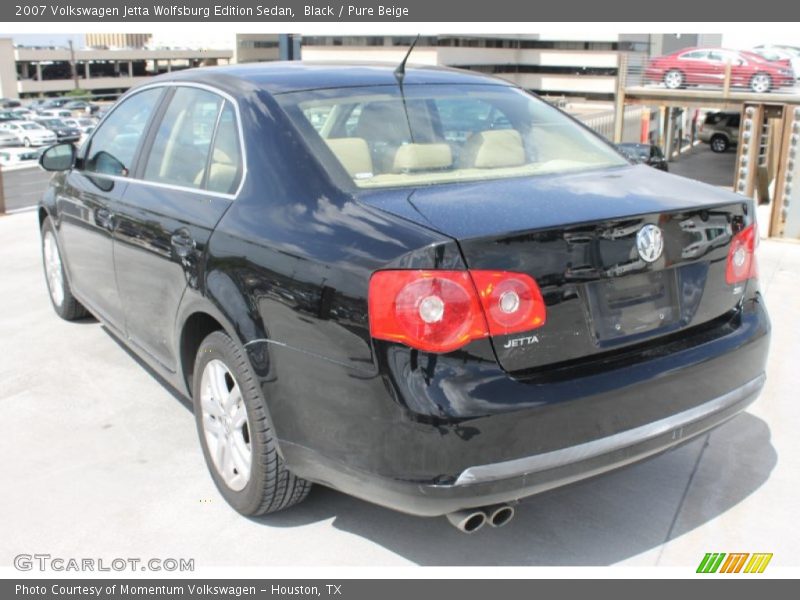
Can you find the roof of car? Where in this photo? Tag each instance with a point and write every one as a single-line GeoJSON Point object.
{"type": "Point", "coordinates": [282, 77]}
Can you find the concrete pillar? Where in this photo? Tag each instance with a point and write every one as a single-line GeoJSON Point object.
{"type": "Point", "coordinates": [169, 65]}
{"type": "Point", "coordinates": [26, 70]}
{"type": "Point", "coordinates": [86, 70]}
{"type": "Point", "coordinates": [155, 66]}
{"type": "Point", "coordinates": [38, 71]}
{"type": "Point", "coordinates": [130, 68]}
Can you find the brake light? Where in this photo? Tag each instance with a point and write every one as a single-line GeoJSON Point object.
{"type": "Point", "coordinates": [441, 311]}
{"type": "Point", "coordinates": [512, 301]}
{"type": "Point", "coordinates": [741, 264]}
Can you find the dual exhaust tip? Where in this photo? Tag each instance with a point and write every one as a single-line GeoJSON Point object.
{"type": "Point", "coordinates": [470, 521]}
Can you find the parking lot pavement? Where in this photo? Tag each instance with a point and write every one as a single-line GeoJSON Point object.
{"type": "Point", "coordinates": [102, 460]}
{"type": "Point", "coordinates": [715, 168]}
{"type": "Point", "coordinates": [23, 187]}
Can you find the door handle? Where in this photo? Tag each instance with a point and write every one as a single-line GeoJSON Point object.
{"type": "Point", "coordinates": [182, 242]}
{"type": "Point", "coordinates": [104, 218]}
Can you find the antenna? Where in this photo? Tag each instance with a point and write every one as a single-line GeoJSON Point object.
{"type": "Point", "coordinates": [400, 71]}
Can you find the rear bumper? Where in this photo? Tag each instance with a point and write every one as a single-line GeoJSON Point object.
{"type": "Point", "coordinates": [509, 481]}
{"type": "Point", "coordinates": [536, 433]}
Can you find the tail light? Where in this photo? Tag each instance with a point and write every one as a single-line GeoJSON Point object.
{"type": "Point", "coordinates": [441, 311]}
{"type": "Point", "coordinates": [741, 264]}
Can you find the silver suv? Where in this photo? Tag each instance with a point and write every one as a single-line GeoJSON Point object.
{"type": "Point", "coordinates": [721, 130]}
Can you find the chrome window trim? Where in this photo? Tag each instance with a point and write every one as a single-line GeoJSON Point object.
{"type": "Point", "coordinates": [175, 84]}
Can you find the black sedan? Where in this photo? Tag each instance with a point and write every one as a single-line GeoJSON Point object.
{"type": "Point", "coordinates": [646, 154]}
{"type": "Point", "coordinates": [64, 132]}
{"type": "Point", "coordinates": [354, 293]}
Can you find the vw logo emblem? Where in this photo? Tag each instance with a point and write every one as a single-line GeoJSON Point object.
{"type": "Point", "coordinates": [650, 243]}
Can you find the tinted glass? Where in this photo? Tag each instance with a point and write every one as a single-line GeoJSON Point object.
{"type": "Point", "coordinates": [181, 147]}
{"type": "Point", "coordinates": [112, 148]}
{"type": "Point", "coordinates": [429, 134]}
{"type": "Point", "coordinates": [225, 166]}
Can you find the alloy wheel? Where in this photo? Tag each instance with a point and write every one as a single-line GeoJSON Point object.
{"type": "Point", "coordinates": [52, 268]}
{"type": "Point", "coordinates": [225, 425]}
{"type": "Point", "coordinates": [673, 79]}
{"type": "Point", "coordinates": [761, 83]}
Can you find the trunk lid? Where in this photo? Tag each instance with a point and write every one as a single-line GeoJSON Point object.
{"type": "Point", "coordinates": [576, 234]}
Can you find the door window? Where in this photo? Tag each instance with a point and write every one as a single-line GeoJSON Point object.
{"type": "Point", "coordinates": [182, 145]}
{"type": "Point", "coordinates": [113, 146]}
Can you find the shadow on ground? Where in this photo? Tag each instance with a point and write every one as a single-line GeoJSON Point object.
{"type": "Point", "coordinates": [599, 521]}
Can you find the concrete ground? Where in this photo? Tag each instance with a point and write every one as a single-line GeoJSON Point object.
{"type": "Point", "coordinates": [704, 165]}
{"type": "Point", "coordinates": [102, 460]}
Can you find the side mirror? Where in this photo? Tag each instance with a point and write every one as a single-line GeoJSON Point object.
{"type": "Point", "coordinates": [60, 157]}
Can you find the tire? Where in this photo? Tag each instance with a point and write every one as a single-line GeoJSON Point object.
{"type": "Point", "coordinates": [761, 83]}
{"type": "Point", "coordinates": [719, 143]}
{"type": "Point", "coordinates": [26, 142]}
{"type": "Point", "coordinates": [220, 370]}
{"type": "Point", "coordinates": [674, 79]}
{"type": "Point", "coordinates": [64, 303]}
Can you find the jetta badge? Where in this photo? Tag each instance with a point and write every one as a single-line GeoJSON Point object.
{"type": "Point", "coordinates": [650, 243]}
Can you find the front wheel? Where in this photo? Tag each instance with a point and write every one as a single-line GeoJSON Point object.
{"type": "Point", "coordinates": [673, 79]}
{"type": "Point", "coordinates": [761, 83]}
{"type": "Point", "coordinates": [64, 303]}
{"type": "Point", "coordinates": [235, 432]}
{"type": "Point", "coordinates": [26, 142]}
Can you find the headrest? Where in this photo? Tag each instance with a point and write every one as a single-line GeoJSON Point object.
{"type": "Point", "coordinates": [493, 149]}
{"type": "Point", "coordinates": [353, 153]}
{"type": "Point", "coordinates": [420, 157]}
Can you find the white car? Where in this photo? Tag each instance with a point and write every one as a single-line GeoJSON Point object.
{"type": "Point", "coordinates": [29, 133]}
{"type": "Point", "coordinates": [54, 113]}
{"type": "Point", "coordinates": [781, 53]}
{"type": "Point", "coordinates": [10, 157]}
{"type": "Point", "coordinates": [7, 138]}
{"type": "Point", "coordinates": [84, 124]}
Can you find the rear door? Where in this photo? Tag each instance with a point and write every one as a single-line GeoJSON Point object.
{"type": "Point", "coordinates": [187, 178]}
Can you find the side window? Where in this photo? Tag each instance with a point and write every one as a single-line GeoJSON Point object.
{"type": "Point", "coordinates": [182, 144]}
{"type": "Point", "coordinates": [225, 164]}
{"type": "Point", "coordinates": [112, 148]}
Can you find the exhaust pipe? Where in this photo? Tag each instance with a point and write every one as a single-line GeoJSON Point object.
{"type": "Point", "coordinates": [499, 514]}
{"type": "Point", "coordinates": [468, 521]}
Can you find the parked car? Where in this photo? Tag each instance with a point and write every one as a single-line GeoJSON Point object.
{"type": "Point", "coordinates": [29, 133]}
{"type": "Point", "coordinates": [7, 115]}
{"type": "Point", "coordinates": [720, 130]}
{"type": "Point", "coordinates": [781, 54]}
{"type": "Point", "coordinates": [9, 103]}
{"type": "Point", "coordinates": [82, 106]}
{"type": "Point", "coordinates": [12, 157]}
{"type": "Point", "coordinates": [64, 132]}
{"type": "Point", "coordinates": [7, 138]}
{"type": "Point", "coordinates": [83, 124]}
{"type": "Point", "coordinates": [648, 154]}
{"type": "Point", "coordinates": [52, 103]}
{"type": "Point", "coordinates": [54, 113]}
{"type": "Point", "coordinates": [23, 114]}
{"type": "Point", "coordinates": [441, 327]}
{"type": "Point", "coordinates": [707, 66]}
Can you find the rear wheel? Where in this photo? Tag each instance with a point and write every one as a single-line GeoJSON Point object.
{"type": "Point", "coordinates": [761, 83]}
{"type": "Point", "coordinates": [673, 79]}
{"type": "Point", "coordinates": [719, 143]}
{"type": "Point", "coordinates": [235, 432]}
{"type": "Point", "coordinates": [26, 142]}
{"type": "Point", "coordinates": [64, 303]}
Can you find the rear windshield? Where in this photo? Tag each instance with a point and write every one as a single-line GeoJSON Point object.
{"type": "Point", "coordinates": [429, 134]}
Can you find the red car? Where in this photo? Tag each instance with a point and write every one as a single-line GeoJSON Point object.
{"type": "Point", "coordinates": [706, 66]}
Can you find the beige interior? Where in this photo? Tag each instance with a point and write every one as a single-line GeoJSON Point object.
{"type": "Point", "coordinates": [493, 149]}
{"type": "Point", "coordinates": [353, 153]}
{"type": "Point", "coordinates": [421, 157]}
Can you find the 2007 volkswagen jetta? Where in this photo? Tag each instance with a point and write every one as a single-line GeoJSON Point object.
{"type": "Point", "coordinates": [427, 289]}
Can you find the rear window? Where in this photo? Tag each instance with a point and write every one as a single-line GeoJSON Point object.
{"type": "Point", "coordinates": [429, 134]}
